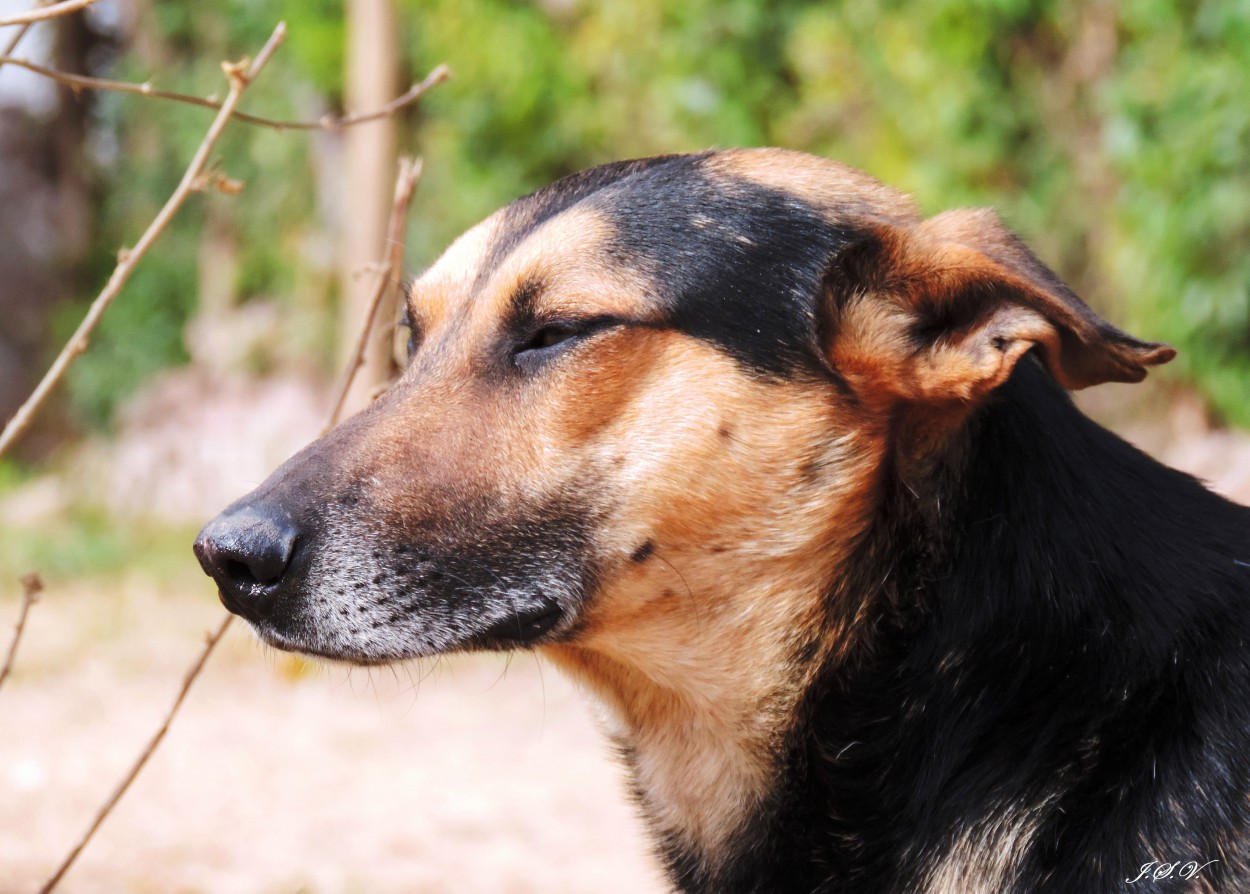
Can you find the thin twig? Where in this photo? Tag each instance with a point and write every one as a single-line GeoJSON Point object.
{"type": "Point", "coordinates": [32, 586]}
{"type": "Point", "coordinates": [211, 641]}
{"type": "Point", "coordinates": [405, 185]}
{"type": "Point", "coordinates": [240, 75]}
{"type": "Point", "coordinates": [326, 122]}
{"type": "Point", "coordinates": [17, 38]}
{"type": "Point", "coordinates": [21, 33]}
{"type": "Point", "coordinates": [42, 13]}
{"type": "Point", "coordinates": [389, 273]}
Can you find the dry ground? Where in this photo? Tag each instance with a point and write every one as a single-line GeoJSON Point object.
{"type": "Point", "coordinates": [475, 775]}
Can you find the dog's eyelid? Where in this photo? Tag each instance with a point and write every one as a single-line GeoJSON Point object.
{"type": "Point", "coordinates": [549, 334]}
{"type": "Point", "coordinates": [572, 325]}
{"type": "Point", "coordinates": [408, 322]}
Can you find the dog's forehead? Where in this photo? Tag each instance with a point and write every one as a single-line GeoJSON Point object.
{"type": "Point", "coordinates": [728, 246]}
{"type": "Point", "coordinates": [468, 266]}
{"type": "Point", "coordinates": [562, 264]}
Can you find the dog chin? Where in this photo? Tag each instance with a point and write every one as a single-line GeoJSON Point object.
{"type": "Point", "coordinates": [344, 653]}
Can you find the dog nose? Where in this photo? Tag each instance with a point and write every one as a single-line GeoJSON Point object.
{"type": "Point", "coordinates": [246, 552]}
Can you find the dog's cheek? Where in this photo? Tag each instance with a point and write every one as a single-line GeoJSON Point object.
{"type": "Point", "coordinates": [705, 450]}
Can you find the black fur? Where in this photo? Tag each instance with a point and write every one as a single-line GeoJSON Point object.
{"type": "Point", "coordinates": [732, 262]}
{"type": "Point", "coordinates": [1062, 630]}
{"type": "Point", "coordinates": [529, 212]}
{"type": "Point", "coordinates": [729, 261]}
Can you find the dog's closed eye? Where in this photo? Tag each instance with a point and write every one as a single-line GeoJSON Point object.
{"type": "Point", "coordinates": [551, 338]}
{"type": "Point", "coordinates": [552, 335]}
{"type": "Point", "coordinates": [408, 327]}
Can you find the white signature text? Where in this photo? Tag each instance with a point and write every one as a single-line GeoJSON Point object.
{"type": "Point", "coordinates": [1156, 870]}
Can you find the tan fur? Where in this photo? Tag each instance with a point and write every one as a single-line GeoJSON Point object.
{"type": "Point", "coordinates": [441, 287]}
{"type": "Point", "coordinates": [837, 190]}
{"type": "Point", "coordinates": [694, 648]}
{"type": "Point", "coordinates": [478, 436]}
{"type": "Point", "coordinates": [985, 859]}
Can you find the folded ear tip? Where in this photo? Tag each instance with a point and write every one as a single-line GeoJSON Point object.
{"type": "Point", "coordinates": [1140, 354]}
{"type": "Point", "coordinates": [1127, 362]}
{"type": "Point", "coordinates": [1147, 354]}
{"type": "Point", "coordinates": [1159, 353]}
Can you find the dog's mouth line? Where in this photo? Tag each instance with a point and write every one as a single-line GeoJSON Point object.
{"type": "Point", "coordinates": [523, 626]}
{"type": "Point", "coordinates": [519, 629]}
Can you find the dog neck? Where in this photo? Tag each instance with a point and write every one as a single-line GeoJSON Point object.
{"type": "Point", "coordinates": [701, 677]}
{"type": "Point", "coordinates": [700, 713]}
{"type": "Point", "coordinates": [782, 736]}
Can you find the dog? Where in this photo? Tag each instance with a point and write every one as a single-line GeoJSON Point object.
{"type": "Point", "coordinates": [787, 476]}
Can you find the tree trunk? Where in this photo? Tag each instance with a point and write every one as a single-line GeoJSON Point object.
{"type": "Point", "coordinates": [369, 159]}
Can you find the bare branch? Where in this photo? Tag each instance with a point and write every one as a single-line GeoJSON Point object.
{"type": "Point", "coordinates": [44, 12]}
{"type": "Point", "coordinates": [32, 586]}
{"type": "Point", "coordinates": [17, 38]}
{"type": "Point", "coordinates": [240, 75]}
{"type": "Point", "coordinates": [209, 644]}
{"type": "Point", "coordinates": [440, 74]}
{"type": "Point", "coordinates": [21, 32]}
{"type": "Point", "coordinates": [328, 122]}
{"type": "Point", "coordinates": [390, 272]}
{"type": "Point", "coordinates": [405, 185]}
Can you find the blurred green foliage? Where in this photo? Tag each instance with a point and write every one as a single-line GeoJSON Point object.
{"type": "Point", "coordinates": [82, 541]}
{"type": "Point", "coordinates": [77, 539]}
{"type": "Point", "coordinates": [1115, 137]}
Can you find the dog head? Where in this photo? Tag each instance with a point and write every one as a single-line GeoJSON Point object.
{"type": "Point", "coordinates": [635, 391]}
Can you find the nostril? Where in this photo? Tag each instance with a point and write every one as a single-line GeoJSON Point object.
{"type": "Point", "coordinates": [247, 552]}
{"type": "Point", "coordinates": [240, 572]}
{"type": "Point", "coordinates": [262, 560]}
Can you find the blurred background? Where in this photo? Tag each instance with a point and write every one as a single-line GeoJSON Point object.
{"type": "Point", "coordinates": [1113, 136]}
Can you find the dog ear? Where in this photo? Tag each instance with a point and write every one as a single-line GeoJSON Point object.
{"type": "Point", "coordinates": [944, 310]}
